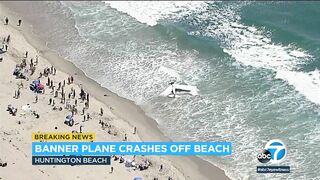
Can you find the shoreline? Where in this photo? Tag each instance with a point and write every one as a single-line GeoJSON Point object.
{"type": "Point", "coordinates": [147, 128]}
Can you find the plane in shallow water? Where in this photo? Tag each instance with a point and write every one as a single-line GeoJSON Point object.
{"type": "Point", "coordinates": [176, 90]}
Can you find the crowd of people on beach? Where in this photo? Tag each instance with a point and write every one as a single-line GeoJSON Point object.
{"type": "Point", "coordinates": [62, 99]}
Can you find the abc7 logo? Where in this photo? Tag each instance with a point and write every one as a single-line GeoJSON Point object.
{"type": "Point", "coordinates": [274, 151]}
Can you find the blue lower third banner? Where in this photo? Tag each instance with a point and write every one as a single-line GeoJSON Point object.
{"type": "Point", "coordinates": [71, 160]}
{"type": "Point", "coordinates": [131, 148]}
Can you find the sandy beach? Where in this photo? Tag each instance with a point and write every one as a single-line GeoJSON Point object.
{"type": "Point", "coordinates": [119, 115]}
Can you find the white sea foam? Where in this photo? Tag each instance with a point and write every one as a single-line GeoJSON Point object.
{"type": "Point", "coordinates": [150, 12]}
{"type": "Point", "coordinates": [307, 83]}
{"type": "Point", "coordinates": [171, 72]}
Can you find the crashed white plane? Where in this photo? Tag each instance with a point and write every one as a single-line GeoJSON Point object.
{"type": "Point", "coordinates": [175, 90]}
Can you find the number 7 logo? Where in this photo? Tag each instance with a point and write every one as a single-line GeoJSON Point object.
{"type": "Point", "coordinates": [277, 149]}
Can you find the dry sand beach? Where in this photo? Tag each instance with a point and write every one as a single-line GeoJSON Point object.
{"type": "Point", "coordinates": [120, 116]}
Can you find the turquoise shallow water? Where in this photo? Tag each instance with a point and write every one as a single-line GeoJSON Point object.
{"type": "Point", "coordinates": [256, 65]}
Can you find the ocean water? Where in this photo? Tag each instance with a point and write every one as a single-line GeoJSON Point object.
{"type": "Point", "coordinates": [256, 65]}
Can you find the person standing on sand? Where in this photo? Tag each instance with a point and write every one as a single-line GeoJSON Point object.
{"type": "Point", "coordinates": [8, 39]}
{"type": "Point", "coordinates": [101, 112]}
{"type": "Point", "coordinates": [36, 99]}
{"type": "Point", "coordinates": [26, 54]}
{"type": "Point", "coordinates": [6, 47]}
{"type": "Point", "coordinates": [102, 124]}
{"type": "Point", "coordinates": [59, 85]}
{"type": "Point", "coordinates": [81, 126]}
{"type": "Point", "coordinates": [52, 89]}
{"type": "Point", "coordinates": [18, 93]}
{"type": "Point", "coordinates": [19, 22]}
{"type": "Point", "coordinates": [125, 137]}
{"type": "Point", "coordinates": [111, 169]}
{"type": "Point", "coordinates": [6, 21]}
{"type": "Point", "coordinates": [134, 130]}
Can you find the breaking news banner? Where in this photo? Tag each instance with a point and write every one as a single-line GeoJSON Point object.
{"type": "Point", "coordinates": [131, 148]}
{"type": "Point", "coordinates": [61, 148]}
